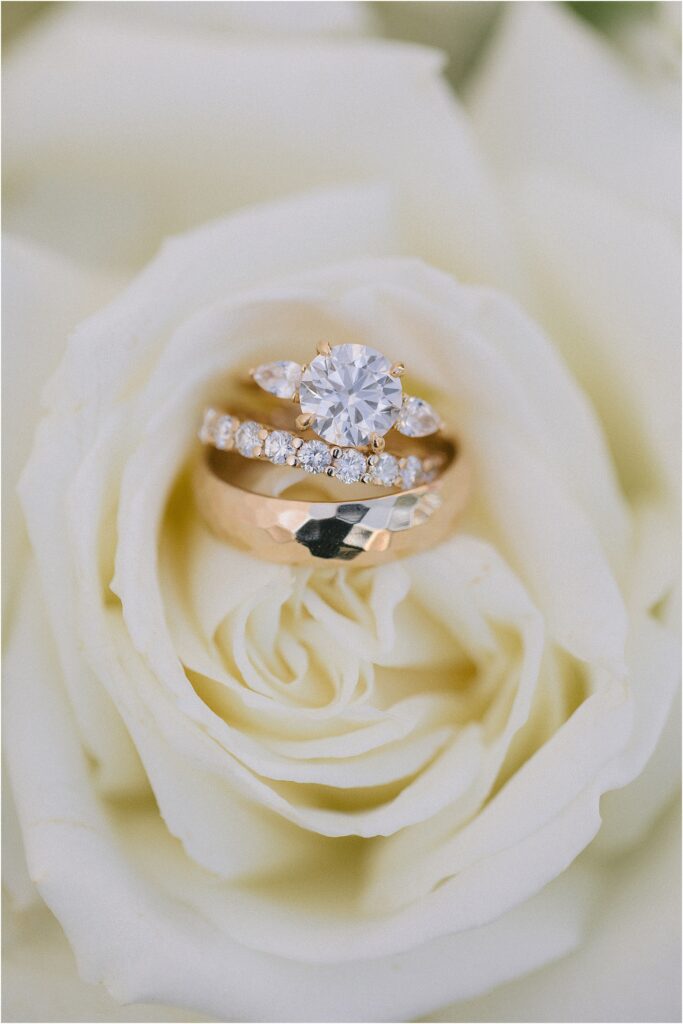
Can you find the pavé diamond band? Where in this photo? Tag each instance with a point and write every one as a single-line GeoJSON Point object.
{"type": "Point", "coordinates": [255, 440]}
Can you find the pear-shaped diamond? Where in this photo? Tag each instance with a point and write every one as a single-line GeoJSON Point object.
{"type": "Point", "coordinates": [281, 378]}
{"type": "Point", "coordinates": [417, 418]}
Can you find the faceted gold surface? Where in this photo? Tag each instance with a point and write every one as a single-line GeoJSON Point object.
{"type": "Point", "coordinates": [254, 506]}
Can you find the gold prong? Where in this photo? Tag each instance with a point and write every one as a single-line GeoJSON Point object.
{"type": "Point", "coordinates": [263, 434]}
{"type": "Point", "coordinates": [251, 372]}
{"type": "Point", "coordinates": [291, 460]}
{"type": "Point", "coordinates": [397, 370]}
{"type": "Point", "coordinates": [297, 442]}
{"type": "Point", "coordinates": [336, 452]}
{"type": "Point", "coordinates": [296, 398]}
{"type": "Point", "coordinates": [304, 421]}
{"type": "Point", "coordinates": [323, 348]}
{"type": "Point", "coordinates": [377, 443]}
{"type": "Point", "coordinates": [329, 471]}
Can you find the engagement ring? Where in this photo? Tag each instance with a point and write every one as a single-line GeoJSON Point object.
{"type": "Point", "coordinates": [350, 396]}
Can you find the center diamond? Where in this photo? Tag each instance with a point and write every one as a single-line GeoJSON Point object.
{"type": "Point", "coordinates": [351, 395]}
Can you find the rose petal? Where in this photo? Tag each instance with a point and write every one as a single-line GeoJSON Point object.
{"type": "Point", "coordinates": [393, 120]}
{"type": "Point", "coordinates": [587, 112]}
{"type": "Point", "coordinates": [64, 827]}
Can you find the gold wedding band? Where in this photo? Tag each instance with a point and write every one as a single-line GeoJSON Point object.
{"type": "Point", "coordinates": [259, 508]}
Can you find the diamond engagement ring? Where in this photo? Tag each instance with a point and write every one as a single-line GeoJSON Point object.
{"type": "Point", "coordinates": [350, 396]}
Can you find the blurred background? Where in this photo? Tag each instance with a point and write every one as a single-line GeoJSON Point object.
{"type": "Point", "coordinates": [647, 33]}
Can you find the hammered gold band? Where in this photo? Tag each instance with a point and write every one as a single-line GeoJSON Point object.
{"type": "Point", "coordinates": [244, 502]}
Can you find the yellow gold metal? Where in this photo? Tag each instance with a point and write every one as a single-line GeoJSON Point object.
{"type": "Point", "coordinates": [377, 443]}
{"type": "Point", "coordinates": [323, 348]}
{"type": "Point", "coordinates": [397, 370]}
{"type": "Point", "coordinates": [304, 421]}
{"type": "Point", "coordinates": [253, 506]}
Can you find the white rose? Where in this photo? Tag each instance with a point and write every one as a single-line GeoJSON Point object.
{"type": "Point", "coordinates": [260, 793]}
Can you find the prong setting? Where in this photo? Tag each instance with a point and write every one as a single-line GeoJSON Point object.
{"type": "Point", "coordinates": [304, 421]}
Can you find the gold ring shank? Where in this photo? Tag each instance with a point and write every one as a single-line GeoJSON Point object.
{"type": "Point", "coordinates": [265, 510]}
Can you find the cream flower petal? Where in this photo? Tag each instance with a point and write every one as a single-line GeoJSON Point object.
{"type": "Point", "coordinates": [44, 297]}
{"type": "Point", "coordinates": [594, 203]}
{"type": "Point", "coordinates": [59, 803]}
{"type": "Point", "coordinates": [394, 121]}
{"type": "Point", "coordinates": [588, 112]}
{"type": "Point", "coordinates": [608, 281]}
{"type": "Point", "coordinates": [240, 17]}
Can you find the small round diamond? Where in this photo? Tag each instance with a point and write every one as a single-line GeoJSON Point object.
{"type": "Point", "coordinates": [279, 446]}
{"type": "Point", "coordinates": [248, 441]}
{"type": "Point", "coordinates": [384, 470]}
{"type": "Point", "coordinates": [411, 471]}
{"type": "Point", "coordinates": [208, 427]}
{"type": "Point", "coordinates": [224, 432]}
{"type": "Point", "coordinates": [314, 456]}
{"type": "Point", "coordinates": [218, 429]}
{"type": "Point", "coordinates": [350, 466]}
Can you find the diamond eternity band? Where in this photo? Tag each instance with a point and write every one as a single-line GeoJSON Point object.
{"type": "Point", "coordinates": [255, 440]}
